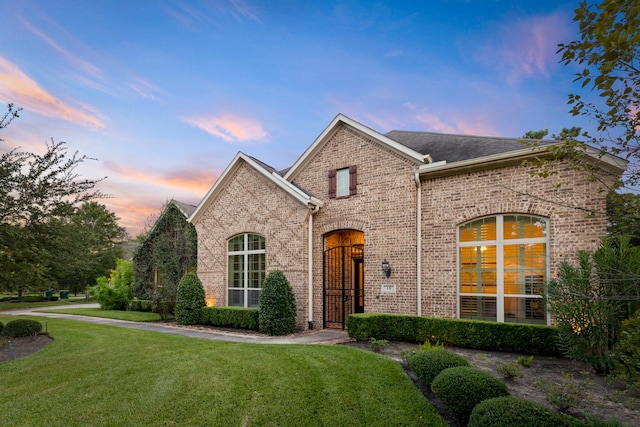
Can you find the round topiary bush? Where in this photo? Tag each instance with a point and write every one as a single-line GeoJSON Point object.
{"type": "Point", "coordinates": [277, 314]}
{"type": "Point", "coordinates": [428, 364]}
{"type": "Point", "coordinates": [463, 387]}
{"type": "Point", "coordinates": [510, 411]}
{"type": "Point", "coordinates": [21, 328]}
{"type": "Point", "coordinates": [190, 300]}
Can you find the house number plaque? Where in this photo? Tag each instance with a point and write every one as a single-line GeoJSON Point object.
{"type": "Point", "coordinates": [388, 289]}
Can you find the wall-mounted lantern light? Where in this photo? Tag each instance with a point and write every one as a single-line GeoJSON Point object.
{"type": "Point", "coordinates": [386, 269]}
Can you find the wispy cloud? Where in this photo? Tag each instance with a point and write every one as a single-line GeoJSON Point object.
{"type": "Point", "coordinates": [452, 125]}
{"type": "Point", "coordinates": [192, 180]}
{"type": "Point", "coordinates": [524, 48]}
{"type": "Point", "coordinates": [17, 87]}
{"type": "Point", "coordinates": [145, 89]}
{"type": "Point", "coordinates": [230, 128]}
{"type": "Point", "coordinates": [192, 16]}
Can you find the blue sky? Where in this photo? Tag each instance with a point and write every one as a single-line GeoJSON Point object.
{"type": "Point", "coordinates": [165, 93]}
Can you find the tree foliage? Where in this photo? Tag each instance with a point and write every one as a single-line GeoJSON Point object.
{"type": "Point", "coordinates": [607, 53]}
{"type": "Point", "coordinates": [165, 255]}
{"type": "Point", "coordinates": [44, 241]}
{"type": "Point", "coordinates": [115, 292]}
{"type": "Point", "coordinates": [590, 300]}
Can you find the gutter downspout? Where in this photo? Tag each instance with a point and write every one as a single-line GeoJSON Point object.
{"type": "Point", "coordinates": [312, 211]}
{"type": "Point", "coordinates": [419, 242]}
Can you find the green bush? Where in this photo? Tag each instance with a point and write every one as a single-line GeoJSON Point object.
{"type": "Point", "coordinates": [510, 411]}
{"type": "Point", "coordinates": [463, 387]}
{"type": "Point", "coordinates": [115, 292]}
{"type": "Point", "coordinates": [141, 305]}
{"type": "Point", "coordinates": [532, 339]}
{"type": "Point", "coordinates": [232, 317]}
{"type": "Point", "coordinates": [21, 328]}
{"type": "Point", "coordinates": [428, 364]}
{"type": "Point", "coordinates": [626, 352]}
{"type": "Point", "coordinates": [1, 327]}
{"type": "Point", "coordinates": [190, 300]}
{"type": "Point", "coordinates": [277, 313]}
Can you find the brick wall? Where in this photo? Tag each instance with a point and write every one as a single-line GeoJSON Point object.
{"type": "Point", "coordinates": [250, 203]}
{"type": "Point", "coordinates": [383, 208]}
{"type": "Point", "coordinates": [453, 200]}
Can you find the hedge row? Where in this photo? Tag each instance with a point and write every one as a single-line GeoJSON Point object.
{"type": "Point", "coordinates": [234, 317]}
{"type": "Point", "coordinates": [141, 305]}
{"type": "Point", "coordinates": [29, 298]}
{"type": "Point", "coordinates": [531, 339]}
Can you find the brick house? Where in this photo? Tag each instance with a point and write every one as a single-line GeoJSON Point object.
{"type": "Point", "coordinates": [408, 222]}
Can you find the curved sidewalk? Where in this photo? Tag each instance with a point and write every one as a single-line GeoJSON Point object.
{"type": "Point", "coordinates": [321, 336]}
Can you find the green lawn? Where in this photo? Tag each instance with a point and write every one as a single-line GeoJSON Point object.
{"type": "Point", "coordinates": [18, 305]}
{"type": "Point", "coordinates": [94, 375]}
{"type": "Point", "coordinates": [135, 316]}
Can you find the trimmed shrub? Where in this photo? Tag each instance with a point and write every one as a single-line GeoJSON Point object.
{"type": "Point", "coordinates": [277, 313]}
{"type": "Point", "coordinates": [232, 317]}
{"type": "Point", "coordinates": [532, 339]}
{"type": "Point", "coordinates": [626, 352]}
{"type": "Point", "coordinates": [190, 300]}
{"type": "Point", "coordinates": [21, 328]}
{"type": "Point", "coordinates": [463, 387]}
{"type": "Point", "coordinates": [510, 411]}
{"type": "Point", "coordinates": [428, 364]}
{"type": "Point", "coordinates": [141, 305]}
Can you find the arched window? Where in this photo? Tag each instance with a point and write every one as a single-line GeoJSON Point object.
{"type": "Point", "coordinates": [246, 269]}
{"type": "Point", "coordinates": [502, 263]}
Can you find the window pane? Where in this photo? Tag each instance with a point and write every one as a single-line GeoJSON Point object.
{"type": "Point", "coordinates": [236, 269]}
{"type": "Point", "coordinates": [236, 244]}
{"type": "Point", "coordinates": [524, 227]}
{"type": "Point", "coordinates": [478, 269]}
{"type": "Point", "coordinates": [479, 308]}
{"type": "Point", "coordinates": [524, 310]}
{"type": "Point", "coordinates": [522, 262]}
{"type": "Point", "coordinates": [256, 270]}
{"type": "Point", "coordinates": [236, 298]}
{"type": "Point", "coordinates": [342, 177]}
{"type": "Point", "coordinates": [254, 299]}
{"type": "Point", "coordinates": [256, 242]}
{"type": "Point", "coordinates": [476, 231]}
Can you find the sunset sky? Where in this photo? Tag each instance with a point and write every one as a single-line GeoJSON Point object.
{"type": "Point", "coordinates": [165, 93]}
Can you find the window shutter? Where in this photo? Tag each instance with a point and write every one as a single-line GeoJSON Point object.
{"type": "Point", "coordinates": [332, 183]}
{"type": "Point", "coordinates": [353, 180]}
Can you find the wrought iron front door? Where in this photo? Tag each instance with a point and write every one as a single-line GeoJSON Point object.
{"type": "Point", "coordinates": [343, 284]}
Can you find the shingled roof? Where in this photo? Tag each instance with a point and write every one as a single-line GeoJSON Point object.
{"type": "Point", "coordinates": [456, 148]}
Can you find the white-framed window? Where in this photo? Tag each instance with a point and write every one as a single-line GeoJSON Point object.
{"type": "Point", "coordinates": [502, 267]}
{"type": "Point", "coordinates": [246, 269]}
{"type": "Point", "coordinates": [342, 186]}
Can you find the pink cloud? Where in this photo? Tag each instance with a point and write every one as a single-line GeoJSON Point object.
{"type": "Point", "coordinates": [230, 128]}
{"type": "Point", "coordinates": [195, 181]}
{"type": "Point", "coordinates": [18, 88]}
{"type": "Point", "coordinates": [453, 125]}
{"type": "Point", "coordinates": [524, 48]}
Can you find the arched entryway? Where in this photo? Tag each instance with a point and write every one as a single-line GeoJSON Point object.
{"type": "Point", "coordinates": [343, 277]}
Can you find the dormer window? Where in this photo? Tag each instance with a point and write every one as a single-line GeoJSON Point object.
{"type": "Point", "coordinates": [343, 182]}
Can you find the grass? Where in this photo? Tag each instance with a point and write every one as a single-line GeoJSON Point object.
{"type": "Point", "coordinates": [135, 316]}
{"type": "Point", "coordinates": [98, 375]}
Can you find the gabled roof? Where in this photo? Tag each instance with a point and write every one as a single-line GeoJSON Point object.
{"type": "Point", "coordinates": [325, 136]}
{"type": "Point", "coordinates": [186, 209]}
{"type": "Point", "coordinates": [456, 148]}
{"type": "Point", "coordinates": [267, 171]}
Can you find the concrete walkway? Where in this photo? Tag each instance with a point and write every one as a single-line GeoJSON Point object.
{"type": "Point", "coordinates": [321, 336]}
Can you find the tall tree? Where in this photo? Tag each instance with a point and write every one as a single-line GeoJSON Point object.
{"type": "Point", "coordinates": [36, 192]}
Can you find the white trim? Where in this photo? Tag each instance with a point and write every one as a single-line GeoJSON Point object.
{"type": "Point", "coordinates": [499, 243]}
{"type": "Point", "coordinates": [280, 182]}
{"type": "Point", "coordinates": [328, 132]}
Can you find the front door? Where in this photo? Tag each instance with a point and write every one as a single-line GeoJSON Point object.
{"type": "Point", "coordinates": [343, 277]}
